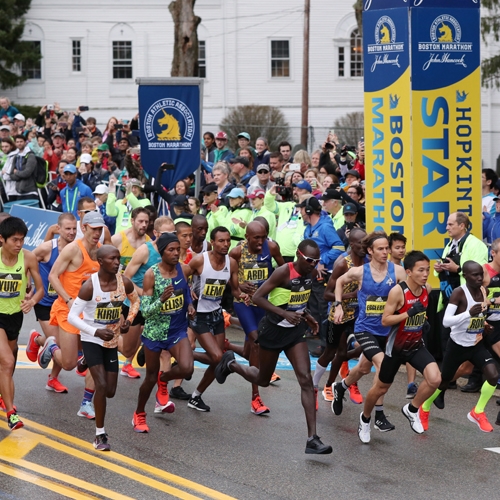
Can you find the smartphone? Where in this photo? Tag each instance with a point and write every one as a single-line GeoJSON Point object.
{"type": "Point", "coordinates": [83, 108]}
{"type": "Point", "coordinates": [135, 151]}
{"type": "Point", "coordinates": [50, 107]}
{"type": "Point", "coordinates": [332, 132]}
{"type": "Point", "coordinates": [119, 126]}
{"type": "Point", "coordinates": [294, 167]}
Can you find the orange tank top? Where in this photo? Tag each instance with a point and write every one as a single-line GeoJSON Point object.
{"type": "Point", "coordinates": [73, 281]}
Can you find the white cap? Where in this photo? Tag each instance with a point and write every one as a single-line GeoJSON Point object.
{"type": "Point", "coordinates": [101, 189]}
{"type": "Point", "coordinates": [19, 116]}
{"type": "Point", "coordinates": [85, 158]}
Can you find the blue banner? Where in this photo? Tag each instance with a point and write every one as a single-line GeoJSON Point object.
{"type": "Point", "coordinates": [170, 127]}
{"type": "Point", "coordinates": [38, 222]}
{"type": "Point", "coordinates": [391, 4]}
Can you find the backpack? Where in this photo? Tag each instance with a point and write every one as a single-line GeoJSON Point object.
{"type": "Point", "coordinates": [41, 172]}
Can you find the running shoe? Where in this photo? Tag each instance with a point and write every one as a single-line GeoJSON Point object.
{"type": "Point", "coordinates": [363, 430]}
{"type": "Point", "coordinates": [53, 384]}
{"type": "Point", "coordinates": [414, 419]}
{"type": "Point", "coordinates": [258, 407]}
{"type": "Point", "coordinates": [198, 404]}
{"type": "Point", "coordinates": [179, 393]}
{"type": "Point", "coordinates": [87, 410]}
{"type": "Point", "coordinates": [222, 370]}
{"type": "Point", "coordinates": [32, 348]}
{"type": "Point", "coordinates": [101, 443]}
{"type": "Point", "coordinates": [327, 393]}
{"type": "Point", "coordinates": [163, 403]}
{"type": "Point", "coordinates": [275, 377]}
{"type": "Point", "coordinates": [354, 394]}
{"type": "Point", "coordinates": [2, 405]}
{"type": "Point", "coordinates": [411, 391]}
{"type": "Point", "coordinates": [129, 371]}
{"type": "Point", "coordinates": [316, 398]}
{"type": "Point", "coordinates": [141, 356]}
{"type": "Point", "coordinates": [424, 418]}
{"type": "Point", "coordinates": [338, 398]}
{"type": "Point", "coordinates": [14, 422]}
{"type": "Point", "coordinates": [45, 355]}
{"type": "Point", "coordinates": [382, 424]}
{"type": "Point", "coordinates": [481, 420]}
{"type": "Point", "coordinates": [344, 369]}
{"type": "Point", "coordinates": [439, 401]}
{"type": "Point", "coordinates": [81, 365]}
{"type": "Point", "coordinates": [139, 422]}
{"type": "Point", "coordinates": [316, 447]}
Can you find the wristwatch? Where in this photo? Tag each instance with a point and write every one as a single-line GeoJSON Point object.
{"type": "Point", "coordinates": [337, 303]}
{"type": "Point", "coordinates": [492, 300]}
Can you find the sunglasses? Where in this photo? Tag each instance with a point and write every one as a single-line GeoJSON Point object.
{"type": "Point", "coordinates": [262, 171]}
{"type": "Point", "coordinates": [309, 260]}
{"type": "Point", "coordinates": [88, 211]}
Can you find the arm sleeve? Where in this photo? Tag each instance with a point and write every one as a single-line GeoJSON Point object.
{"type": "Point", "coordinates": [270, 203]}
{"type": "Point", "coordinates": [75, 320]}
{"type": "Point", "coordinates": [111, 205]}
{"type": "Point", "coordinates": [450, 319]}
{"type": "Point", "coordinates": [135, 304]}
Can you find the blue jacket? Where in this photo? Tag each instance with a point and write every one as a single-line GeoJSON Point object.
{"type": "Point", "coordinates": [70, 196]}
{"type": "Point", "coordinates": [324, 234]}
{"type": "Point", "coordinates": [491, 227]}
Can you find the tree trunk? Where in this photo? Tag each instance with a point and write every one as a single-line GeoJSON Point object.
{"type": "Point", "coordinates": [358, 10]}
{"type": "Point", "coordinates": [185, 61]}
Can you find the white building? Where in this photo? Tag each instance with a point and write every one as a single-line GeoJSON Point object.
{"type": "Point", "coordinates": [251, 53]}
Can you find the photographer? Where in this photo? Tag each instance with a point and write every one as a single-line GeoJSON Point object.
{"type": "Point", "coordinates": [350, 213]}
{"type": "Point", "coordinates": [262, 180]}
{"type": "Point", "coordinates": [54, 153]}
{"type": "Point", "coordinates": [102, 167]}
{"type": "Point", "coordinates": [348, 160]}
{"type": "Point", "coordinates": [88, 174]}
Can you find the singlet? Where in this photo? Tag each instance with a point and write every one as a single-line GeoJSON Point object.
{"type": "Point", "coordinates": [127, 251]}
{"type": "Point", "coordinates": [212, 284]}
{"type": "Point", "coordinates": [104, 310]}
{"type": "Point", "coordinates": [50, 294]}
{"type": "Point", "coordinates": [349, 306]}
{"type": "Point", "coordinates": [372, 297]}
{"type": "Point", "coordinates": [293, 297]}
{"type": "Point", "coordinates": [407, 335]}
{"type": "Point", "coordinates": [189, 256]}
{"type": "Point", "coordinates": [73, 281]}
{"type": "Point", "coordinates": [12, 285]}
{"type": "Point", "coordinates": [493, 291]}
{"type": "Point", "coordinates": [470, 330]}
{"type": "Point", "coordinates": [171, 318]}
{"type": "Point", "coordinates": [204, 247]}
{"type": "Point", "coordinates": [79, 233]}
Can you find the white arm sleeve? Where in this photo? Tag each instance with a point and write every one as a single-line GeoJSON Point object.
{"type": "Point", "coordinates": [450, 319]}
{"type": "Point", "coordinates": [74, 317]}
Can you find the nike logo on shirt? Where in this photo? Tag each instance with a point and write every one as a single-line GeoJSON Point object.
{"type": "Point", "coordinates": [177, 282]}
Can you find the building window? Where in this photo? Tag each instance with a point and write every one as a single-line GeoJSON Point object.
{"type": "Point", "coordinates": [122, 60]}
{"type": "Point", "coordinates": [341, 61]}
{"type": "Point", "coordinates": [202, 59]}
{"type": "Point", "coordinates": [76, 56]}
{"type": "Point", "coordinates": [356, 54]}
{"type": "Point", "coordinates": [33, 71]}
{"type": "Point", "coordinates": [280, 58]}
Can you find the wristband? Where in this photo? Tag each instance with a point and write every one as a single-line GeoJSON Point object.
{"type": "Point", "coordinates": [71, 298]}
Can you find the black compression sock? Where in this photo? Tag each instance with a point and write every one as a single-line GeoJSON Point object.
{"type": "Point", "coordinates": [412, 409]}
{"type": "Point", "coordinates": [365, 420]}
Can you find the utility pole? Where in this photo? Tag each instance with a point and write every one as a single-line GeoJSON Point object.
{"type": "Point", "coordinates": [305, 77]}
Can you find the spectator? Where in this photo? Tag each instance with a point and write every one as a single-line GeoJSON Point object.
{"type": "Point", "coordinates": [332, 203]}
{"type": "Point", "coordinates": [302, 157]}
{"type": "Point", "coordinates": [55, 187]}
{"type": "Point", "coordinates": [6, 108]}
{"type": "Point", "coordinates": [488, 181]}
{"type": "Point", "coordinates": [122, 209]}
{"type": "Point", "coordinates": [209, 141]}
{"type": "Point", "coordinates": [9, 151]}
{"type": "Point", "coordinates": [491, 224]}
{"type": "Point", "coordinates": [262, 180]}
{"type": "Point", "coordinates": [92, 128]}
{"type": "Point", "coordinates": [350, 212]}
{"type": "Point", "coordinates": [120, 153]}
{"type": "Point", "coordinates": [103, 161]}
{"type": "Point", "coordinates": [244, 143]}
{"type": "Point", "coordinates": [73, 191]}
{"type": "Point", "coordinates": [88, 175]}
{"type": "Point", "coordinates": [276, 162]}
{"type": "Point", "coordinates": [209, 201]}
{"type": "Point", "coordinates": [110, 129]}
{"type": "Point", "coordinates": [23, 170]}
{"type": "Point", "coordinates": [311, 176]}
{"type": "Point", "coordinates": [356, 193]}
{"type": "Point", "coordinates": [315, 157]}
{"type": "Point", "coordinates": [101, 197]}
{"type": "Point", "coordinates": [328, 181]}
{"type": "Point", "coordinates": [262, 150]}
{"type": "Point", "coordinates": [351, 176]}
{"type": "Point", "coordinates": [285, 149]}
{"type": "Point", "coordinates": [19, 123]}
{"type": "Point", "coordinates": [54, 153]}
{"type": "Point", "coordinates": [194, 205]}
{"type": "Point", "coordinates": [71, 155]}
{"type": "Point", "coordinates": [222, 152]}
{"type": "Point", "coordinates": [258, 210]}
{"type": "Point", "coordinates": [220, 174]}
{"type": "Point", "coordinates": [240, 170]}
{"type": "Point", "coordinates": [179, 209]}
{"type": "Point", "coordinates": [247, 153]}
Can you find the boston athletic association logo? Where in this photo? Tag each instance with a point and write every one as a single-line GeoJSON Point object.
{"type": "Point", "coordinates": [169, 124]}
{"type": "Point", "coordinates": [386, 48]}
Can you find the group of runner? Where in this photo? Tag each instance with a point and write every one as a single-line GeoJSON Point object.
{"type": "Point", "coordinates": [96, 297]}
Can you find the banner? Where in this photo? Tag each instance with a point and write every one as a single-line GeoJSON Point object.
{"type": "Point", "coordinates": [170, 126]}
{"type": "Point", "coordinates": [38, 222]}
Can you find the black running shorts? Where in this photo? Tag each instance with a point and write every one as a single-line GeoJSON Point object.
{"type": "Point", "coordinates": [42, 313]}
{"type": "Point", "coordinates": [272, 337]}
{"type": "Point", "coordinates": [335, 332]}
{"type": "Point", "coordinates": [96, 354]}
{"type": "Point", "coordinates": [419, 359]}
{"type": "Point", "coordinates": [371, 344]}
{"type": "Point", "coordinates": [12, 324]}
{"type": "Point", "coordinates": [138, 320]}
{"type": "Point", "coordinates": [493, 337]}
{"type": "Point", "coordinates": [211, 322]}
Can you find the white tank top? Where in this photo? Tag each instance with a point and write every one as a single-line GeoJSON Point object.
{"type": "Point", "coordinates": [204, 247]}
{"type": "Point", "coordinates": [212, 285]}
{"type": "Point", "coordinates": [79, 233]}
{"type": "Point", "coordinates": [103, 311]}
{"type": "Point", "coordinates": [470, 330]}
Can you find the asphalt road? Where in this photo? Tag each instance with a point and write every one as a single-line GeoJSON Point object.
{"type": "Point", "coordinates": [231, 453]}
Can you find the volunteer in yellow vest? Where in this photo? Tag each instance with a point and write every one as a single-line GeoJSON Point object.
{"type": "Point", "coordinates": [128, 241]}
{"type": "Point", "coordinates": [15, 263]}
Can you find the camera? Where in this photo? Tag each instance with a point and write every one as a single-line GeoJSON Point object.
{"type": "Point", "coordinates": [83, 108]}
{"type": "Point", "coordinates": [50, 107]}
{"type": "Point", "coordinates": [105, 155]}
{"type": "Point", "coordinates": [349, 225]}
{"type": "Point", "coordinates": [119, 126]}
{"type": "Point", "coordinates": [285, 192]}
{"type": "Point", "coordinates": [329, 145]}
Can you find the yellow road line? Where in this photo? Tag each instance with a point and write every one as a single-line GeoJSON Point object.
{"type": "Point", "coordinates": [44, 483]}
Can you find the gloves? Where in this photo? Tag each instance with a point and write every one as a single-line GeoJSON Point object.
{"type": "Point", "coordinates": [417, 308]}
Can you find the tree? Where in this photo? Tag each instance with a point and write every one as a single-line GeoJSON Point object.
{"type": "Point", "coordinates": [185, 61]}
{"type": "Point", "coordinates": [13, 51]}
{"type": "Point", "coordinates": [258, 121]}
{"type": "Point", "coordinates": [490, 25]}
{"type": "Point", "coordinates": [350, 128]}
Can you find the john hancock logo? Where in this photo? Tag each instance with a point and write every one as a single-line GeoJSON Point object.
{"type": "Point", "coordinates": [386, 47]}
{"type": "Point", "coordinates": [169, 124]}
{"type": "Point", "coordinates": [445, 45]}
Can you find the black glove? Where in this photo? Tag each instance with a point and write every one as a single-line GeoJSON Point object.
{"type": "Point", "coordinates": [415, 309]}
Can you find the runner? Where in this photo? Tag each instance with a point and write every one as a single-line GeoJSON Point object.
{"type": "Point", "coordinates": [283, 329]}
{"type": "Point", "coordinates": [336, 340]}
{"type": "Point", "coordinates": [215, 269]}
{"type": "Point", "coordinates": [199, 226]}
{"type": "Point", "coordinates": [166, 304]}
{"type": "Point", "coordinates": [75, 264]}
{"type": "Point", "coordinates": [254, 258]}
{"type": "Point", "coordinates": [405, 314]}
{"type": "Point", "coordinates": [464, 314]}
{"type": "Point", "coordinates": [127, 242]}
{"type": "Point", "coordinates": [375, 281]}
{"type": "Point", "coordinates": [46, 255]}
{"type": "Point", "coordinates": [99, 301]}
{"type": "Point", "coordinates": [15, 264]}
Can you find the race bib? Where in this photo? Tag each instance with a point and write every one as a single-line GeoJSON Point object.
{"type": "Point", "coordinates": [174, 304]}
{"type": "Point", "coordinates": [298, 300]}
{"type": "Point", "coordinates": [255, 274]}
{"type": "Point", "coordinates": [375, 305]}
{"type": "Point", "coordinates": [124, 261]}
{"type": "Point", "coordinates": [107, 313]}
{"type": "Point", "coordinates": [415, 323]}
{"type": "Point", "coordinates": [51, 291]}
{"type": "Point", "coordinates": [10, 285]}
{"type": "Point", "coordinates": [213, 289]}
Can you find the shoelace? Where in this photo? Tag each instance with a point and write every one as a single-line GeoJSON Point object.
{"type": "Point", "coordinates": [141, 418]}
{"type": "Point", "coordinates": [163, 388]}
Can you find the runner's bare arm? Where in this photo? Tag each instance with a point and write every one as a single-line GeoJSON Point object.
{"type": "Point", "coordinates": [43, 251]}
{"type": "Point", "coordinates": [135, 302]}
{"type": "Point", "coordinates": [107, 236]}
{"type": "Point", "coordinates": [395, 301]}
{"type": "Point", "coordinates": [400, 273]}
{"type": "Point", "coordinates": [60, 265]}
{"type": "Point", "coordinates": [354, 274]}
{"type": "Point", "coordinates": [116, 240]}
{"type": "Point", "coordinates": [31, 263]}
{"type": "Point", "coordinates": [339, 269]}
{"type": "Point", "coordinates": [51, 232]}
{"type": "Point", "coordinates": [275, 253]}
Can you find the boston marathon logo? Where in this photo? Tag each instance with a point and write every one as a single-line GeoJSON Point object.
{"type": "Point", "coordinates": [445, 45]}
{"type": "Point", "coordinates": [169, 124]}
{"type": "Point", "coordinates": [415, 3]}
{"type": "Point", "coordinates": [386, 47]}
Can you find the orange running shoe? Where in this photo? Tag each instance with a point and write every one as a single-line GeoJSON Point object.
{"type": "Point", "coordinates": [481, 420]}
{"type": "Point", "coordinates": [139, 422]}
{"type": "Point", "coordinates": [2, 405]}
{"type": "Point", "coordinates": [53, 384]}
{"type": "Point", "coordinates": [258, 407]}
{"type": "Point", "coordinates": [316, 397]}
{"type": "Point", "coordinates": [275, 378]}
{"type": "Point", "coordinates": [344, 369]}
{"type": "Point", "coordinates": [327, 393]}
{"type": "Point", "coordinates": [354, 394]}
{"type": "Point", "coordinates": [129, 371]}
{"type": "Point", "coordinates": [424, 418]}
{"type": "Point", "coordinates": [163, 403]}
{"type": "Point", "coordinates": [32, 348]}
{"type": "Point", "coordinates": [227, 319]}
